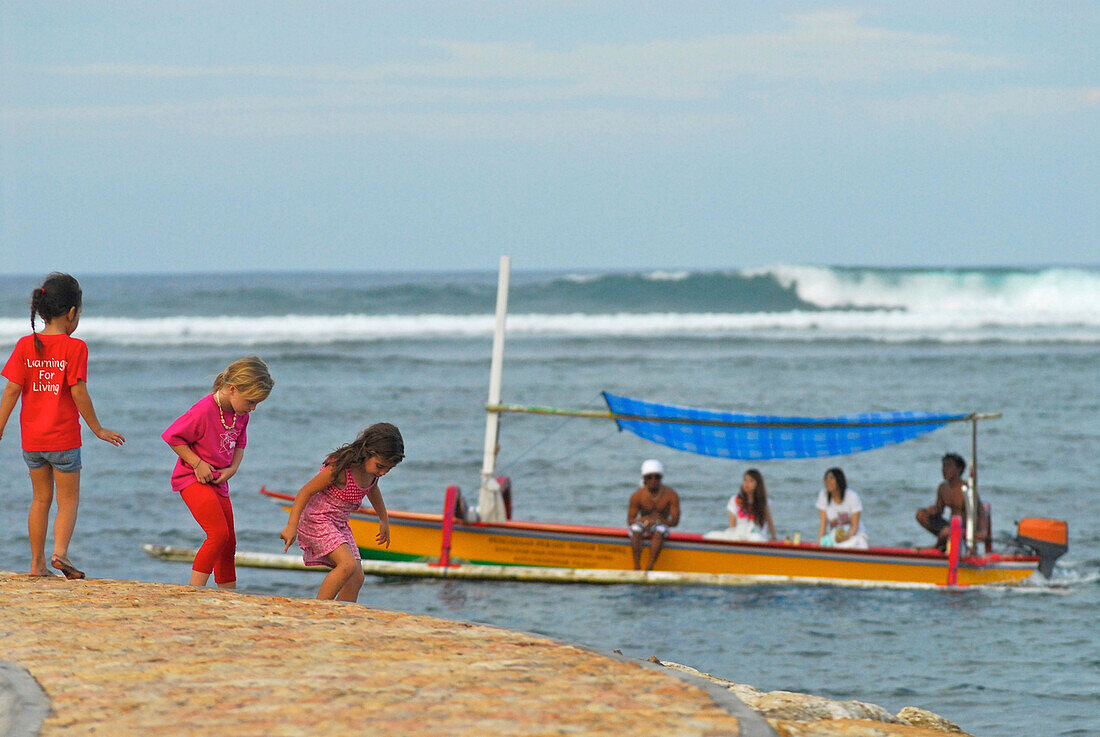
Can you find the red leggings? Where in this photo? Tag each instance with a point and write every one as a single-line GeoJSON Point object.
{"type": "Point", "coordinates": [214, 514]}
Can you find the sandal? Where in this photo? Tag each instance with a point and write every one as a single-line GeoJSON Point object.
{"type": "Point", "coordinates": [66, 567]}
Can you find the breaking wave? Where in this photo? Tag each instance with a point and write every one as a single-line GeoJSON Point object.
{"type": "Point", "coordinates": [799, 303]}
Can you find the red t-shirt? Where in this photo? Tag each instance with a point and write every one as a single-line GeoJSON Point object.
{"type": "Point", "coordinates": [48, 417]}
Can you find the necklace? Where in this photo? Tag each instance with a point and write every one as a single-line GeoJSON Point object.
{"type": "Point", "coordinates": [221, 417]}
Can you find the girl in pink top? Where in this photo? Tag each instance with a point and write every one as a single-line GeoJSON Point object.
{"type": "Point", "coordinates": [319, 517]}
{"type": "Point", "coordinates": [210, 439]}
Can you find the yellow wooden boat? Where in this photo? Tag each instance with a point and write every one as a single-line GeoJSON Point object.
{"type": "Point", "coordinates": [418, 537]}
{"type": "Point", "coordinates": [489, 537]}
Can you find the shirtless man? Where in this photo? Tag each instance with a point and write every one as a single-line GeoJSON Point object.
{"type": "Point", "coordinates": [948, 496]}
{"type": "Point", "coordinates": [653, 509]}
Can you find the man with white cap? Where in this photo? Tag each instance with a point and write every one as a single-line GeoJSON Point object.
{"type": "Point", "coordinates": [654, 508]}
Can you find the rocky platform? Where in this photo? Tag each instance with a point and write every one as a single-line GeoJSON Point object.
{"type": "Point", "coordinates": [125, 658]}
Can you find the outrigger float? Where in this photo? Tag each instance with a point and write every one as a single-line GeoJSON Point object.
{"type": "Point", "coordinates": [487, 543]}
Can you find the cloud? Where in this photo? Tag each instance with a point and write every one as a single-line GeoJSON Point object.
{"type": "Point", "coordinates": [976, 108]}
{"type": "Point", "coordinates": [826, 62]}
{"type": "Point", "coordinates": [268, 117]}
{"type": "Point", "coordinates": [825, 45]}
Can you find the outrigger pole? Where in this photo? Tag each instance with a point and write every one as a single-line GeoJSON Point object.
{"type": "Point", "coordinates": [599, 414]}
{"type": "Point", "coordinates": [490, 506]}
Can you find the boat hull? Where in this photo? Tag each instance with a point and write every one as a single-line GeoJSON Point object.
{"type": "Point", "coordinates": [419, 537]}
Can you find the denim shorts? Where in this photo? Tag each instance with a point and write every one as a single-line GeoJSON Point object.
{"type": "Point", "coordinates": [66, 461]}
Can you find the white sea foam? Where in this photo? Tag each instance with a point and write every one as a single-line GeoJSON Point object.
{"type": "Point", "coordinates": [1053, 291]}
{"type": "Point", "coordinates": [888, 305]}
{"type": "Point", "coordinates": [946, 326]}
{"type": "Point", "coordinates": [582, 278]}
{"type": "Point", "coordinates": [666, 275]}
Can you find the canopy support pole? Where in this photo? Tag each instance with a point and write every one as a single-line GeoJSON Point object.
{"type": "Point", "coordinates": [971, 490]}
{"type": "Point", "coordinates": [490, 506]}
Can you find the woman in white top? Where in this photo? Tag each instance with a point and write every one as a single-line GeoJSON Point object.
{"type": "Point", "coordinates": [840, 511]}
{"type": "Point", "coordinates": [748, 510]}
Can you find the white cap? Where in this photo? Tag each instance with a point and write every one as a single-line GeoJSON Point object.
{"type": "Point", "coordinates": [652, 466]}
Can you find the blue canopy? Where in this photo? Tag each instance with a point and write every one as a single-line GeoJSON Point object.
{"type": "Point", "coordinates": [760, 437]}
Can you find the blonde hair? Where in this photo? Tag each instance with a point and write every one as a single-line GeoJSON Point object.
{"type": "Point", "coordinates": [249, 375]}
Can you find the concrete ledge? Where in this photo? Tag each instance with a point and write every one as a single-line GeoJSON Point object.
{"type": "Point", "coordinates": [752, 723]}
{"type": "Point", "coordinates": [23, 703]}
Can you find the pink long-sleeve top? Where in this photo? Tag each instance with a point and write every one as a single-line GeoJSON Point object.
{"type": "Point", "coordinates": [204, 429]}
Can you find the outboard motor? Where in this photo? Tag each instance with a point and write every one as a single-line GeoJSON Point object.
{"type": "Point", "coordinates": [1047, 537]}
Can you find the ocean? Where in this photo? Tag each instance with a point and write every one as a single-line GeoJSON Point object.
{"type": "Point", "coordinates": [350, 349]}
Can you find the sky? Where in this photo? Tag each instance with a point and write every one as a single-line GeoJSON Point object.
{"type": "Point", "coordinates": [412, 135]}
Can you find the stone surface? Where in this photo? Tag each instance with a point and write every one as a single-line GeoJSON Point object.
{"type": "Point", "coordinates": [790, 705]}
{"type": "Point", "coordinates": [803, 715]}
{"type": "Point", "coordinates": [849, 728]}
{"type": "Point", "coordinates": [923, 718]}
{"type": "Point", "coordinates": [123, 658]}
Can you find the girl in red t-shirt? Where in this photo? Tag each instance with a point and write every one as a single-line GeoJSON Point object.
{"type": "Point", "coordinates": [47, 371]}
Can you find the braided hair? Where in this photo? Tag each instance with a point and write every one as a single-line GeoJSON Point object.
{"type": "Point", "coordinates": [59, 294]}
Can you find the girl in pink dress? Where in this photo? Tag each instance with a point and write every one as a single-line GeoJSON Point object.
{"type": "Point", "coordinates": [319, 517]}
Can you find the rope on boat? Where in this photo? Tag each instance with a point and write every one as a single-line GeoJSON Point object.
{"type": "Point", "coordinates": [511, 462]}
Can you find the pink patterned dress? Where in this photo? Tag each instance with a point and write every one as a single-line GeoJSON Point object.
{"type": "Point", "coordinates": [323, 526]}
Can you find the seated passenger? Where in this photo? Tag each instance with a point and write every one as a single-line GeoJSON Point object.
{"type": "Point", "coordinates": [840, 511]}
{"type": "Point", "coordinates": [653, 509]}
{"type": "Point", "coordinates": [748, 512]}
{"type": "Point", "coordinates": [949, 495]}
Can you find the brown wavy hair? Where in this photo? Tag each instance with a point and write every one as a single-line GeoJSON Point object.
{"type": "Point", "coordinates": [381, 440]}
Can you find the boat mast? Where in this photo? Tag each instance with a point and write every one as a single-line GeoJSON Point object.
{"type": "Point", "coordinates": [490, 508]}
